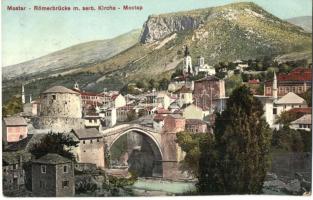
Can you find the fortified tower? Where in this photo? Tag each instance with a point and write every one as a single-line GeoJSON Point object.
{"type": "Point", "coordinates": [60, 110]}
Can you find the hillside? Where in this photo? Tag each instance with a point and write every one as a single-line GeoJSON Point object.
{"type": "Point", "coordinates": [220, 34]}
{"type": "Point", "coordinates": [225, 33]}
{"type": "Point", "coordinates": [304, 22]}
{"type": "Point", "coordinates": [73, 57]}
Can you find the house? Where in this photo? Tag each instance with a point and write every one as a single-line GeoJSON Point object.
{"type": "Point", "coordinates": [114, 100]}
{"type": "Point", "coordinates": [196, 126]}
{"type": "Point", "coordinates": [14, 129]}
{"type": "Point", "coordinates": [303, 123]}
{"type": "Point", "coordinates": [287, 102]}
{"type": "Point", "coordinates": [193, 112]}
{"type": "Point", "coordinates": [53, 176]}
{"type": "Point", "coordinates": [158, 122]}
{"type": "Point", "coordinates": [174, 123]}
{"type": "Point", "coordinates": [297, 81]}
{"type": "Point", "coordinates": [184, 95]}
{"type": "Point", "coordinates": [109, 117]}
{"type": "Point", "coordinates": [207, 89]}
{"type": "Point", "coordinates": [13, 174]}
{"type": "Point", "coordinates": [274, 106]}
{"type": "Point", "coordinates": [91, 146]}
{"type": "Point", "coordinates": [163, 100]}
{"type": "Point", "coordinates": [92, 121]}
{"type": "Point", "coordinates": [88, 98]}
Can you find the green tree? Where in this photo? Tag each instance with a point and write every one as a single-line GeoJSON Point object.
{"type": "Point", "coordinates": [190, 143]}
{"type": "Point", "coordinates": [164, 84]}
{"type": "Point", "coordinates": [13, 106]}
{"type": "Point", "coordinates": [289, 140]}
{"type": "Point", "coordinates": [286, 117]}
{"type": "Point", "coordinates": [232, 82]}
{"type": "Point", "coordinates": [55, 143]}
{"type": "Point", "coordinates": [239, 161]}
{"type": "Point", "coordinates": [307, 96]}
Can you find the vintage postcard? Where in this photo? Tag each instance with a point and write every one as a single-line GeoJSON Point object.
{"type": "Point", "coordinates": [105, 98]}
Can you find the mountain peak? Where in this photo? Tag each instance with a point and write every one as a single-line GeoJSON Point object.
{"type": "Point", "coordinates": [158, 27]}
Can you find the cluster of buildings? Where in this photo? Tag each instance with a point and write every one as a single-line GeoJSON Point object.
{"type": "Point", "coordinates": [185, 106]}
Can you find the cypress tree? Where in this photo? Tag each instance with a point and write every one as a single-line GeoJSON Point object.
{"type": "Point", "coordinates": [239, 160]}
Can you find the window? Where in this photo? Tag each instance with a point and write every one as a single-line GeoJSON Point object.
{"type": "Point", "coordinates": [83, 141]}
{"type": "Point", "coordinates": [65, 184]}
{"type": "Point", "coordinates": [90, 141]}
{"type": "Point", "coordinates": [43, 169]}
{"type": "Point", "coordinates": [90, 120]}
{"type": "Point", "coordinates": [98, 140]}
{"type": "Point", "coordinates": [274, 111]}
{"type": "Point", "coordinates": [54, 97]}
{"type": "Point", "coordinates": [65, 169]}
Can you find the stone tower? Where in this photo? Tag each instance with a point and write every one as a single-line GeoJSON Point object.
{"type": "Point", "coordinates": [275, 86]}
{"type": "Point", "coordinates": [187, 68]}
{"type": "Point", "coordinates": [60, 110]}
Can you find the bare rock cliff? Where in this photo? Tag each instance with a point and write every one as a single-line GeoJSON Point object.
{"type": "Point", "coordinates": [158, 27]}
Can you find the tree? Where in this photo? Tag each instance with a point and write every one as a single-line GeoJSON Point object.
{"type": "Point", "coordinates": [190, 143]}
{"type": "Point", "coordinates": [131, 115]}
{"type": "Point", "coordinates": [51, 143]}
{"type": "Point", "coordinates": [239, 161]}
{"type": "Point", "coordinates": [307, 96]}
{"type": "Point", "coordinates": [164, 84]}
{"type": "Point", "coordinates": [13, 106]}
{"type": "Point", "coordinates": [55, 143]}
{"type": "Point", "coordinates": [286, 117]}
{"type": "Point", "coordinates": [286, 139]}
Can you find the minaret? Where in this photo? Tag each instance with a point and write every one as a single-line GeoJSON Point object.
{"type": "Point", "coordinates": [187, 62]}
{"type": "Point", "coordinates": [30, 98]}
{"type": "Point", "coordinates": [23, 94]}
{"type": "Point", "coordinates": [76, 86]}
{"type": "Point", "coordinates": [275, 86]}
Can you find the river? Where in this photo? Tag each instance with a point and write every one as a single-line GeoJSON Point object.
{"type": "Point", "coordinates": [159, 187]}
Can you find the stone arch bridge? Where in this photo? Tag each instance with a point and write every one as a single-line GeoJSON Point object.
{"type": "Point", "coordinates": [168, 151]}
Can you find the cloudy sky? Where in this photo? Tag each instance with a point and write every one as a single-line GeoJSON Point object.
{"type": "Point", "coordinates": [30, 34]}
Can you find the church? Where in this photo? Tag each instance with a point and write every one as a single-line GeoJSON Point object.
{"type": "Point", "coordinates": [201, 67]}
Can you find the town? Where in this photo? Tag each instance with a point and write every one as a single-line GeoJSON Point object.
{"type": "Point", "coordinates": [133, 135]}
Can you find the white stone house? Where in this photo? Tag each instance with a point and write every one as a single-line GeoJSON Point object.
{"type": "Point", "coordinates": [303, 123]}
{"type": "Point", "coordinates": [287, 102]}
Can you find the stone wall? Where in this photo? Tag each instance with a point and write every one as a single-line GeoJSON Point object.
{"type": "Point", "coordinates": [58, 124]}
{"type": "Point", "coordinates": [91, 151]}
{"type": "Point", "coordinates": [48, 179]}
{"type": "Point", "coordinates": [61, 105]}
{"type": "Point", "coordinates": [65, 191]}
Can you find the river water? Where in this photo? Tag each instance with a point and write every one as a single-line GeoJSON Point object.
{"type": "Point", "coordinates": [159, 187]}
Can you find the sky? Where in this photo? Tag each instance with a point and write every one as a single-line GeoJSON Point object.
{"type": "Point", "coordinates": [30, 34]}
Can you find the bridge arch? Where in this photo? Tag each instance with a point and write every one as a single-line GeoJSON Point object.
{"type": "Point", "coordinates": [152, 136]}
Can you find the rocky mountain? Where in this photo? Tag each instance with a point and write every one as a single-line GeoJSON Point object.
{"type": "Point", "coordinates": [224, 33]}
{"type": "Point", "coordinates": [304, 22]}
{"type": "Point", "coordinates": [219, 34]}
{"type": "Point", "coordinates": [73, 57]}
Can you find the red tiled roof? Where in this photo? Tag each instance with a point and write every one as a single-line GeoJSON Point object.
{"type": "Point", "coordinates": [301, 110]}
{"type": "Point", "coordinates": [163, 111]}
{"type": "Point", "coordinates": [254, 81]}
{"type": "Point", "coordinates": [86, 93]}
{"type": "Point", "coordinates": [298, 74]}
